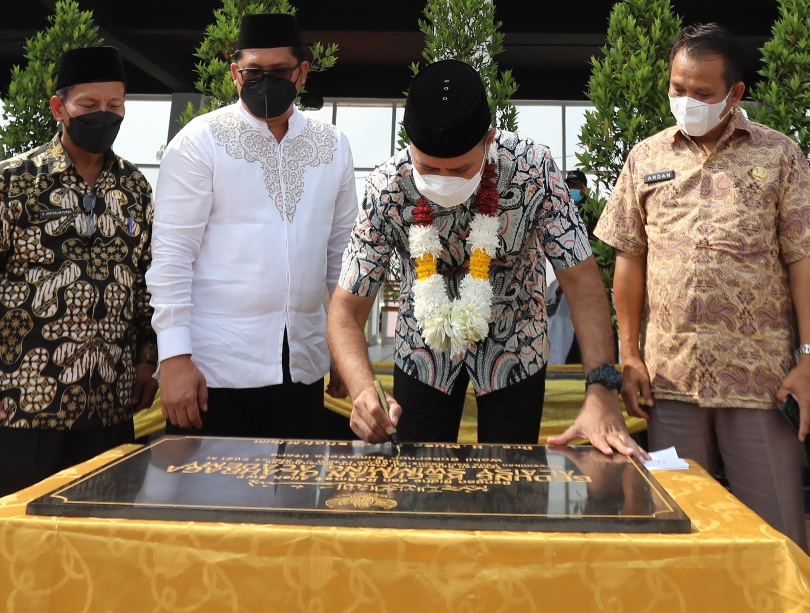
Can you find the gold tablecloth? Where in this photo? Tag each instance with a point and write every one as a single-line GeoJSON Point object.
{"type": "Point", "coordinates": [563, 399]}
{"type": "Point", "coordinates": [731, 562]}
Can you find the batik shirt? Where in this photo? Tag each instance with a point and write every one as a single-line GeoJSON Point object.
{"type": "Point", "coordinates": [718, 233]}
{"type": "Point", "coordinates": [537, 221]}
{"type": "Point", "coordinates": [74, 312]}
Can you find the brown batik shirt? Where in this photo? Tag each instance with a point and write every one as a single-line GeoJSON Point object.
{"type": "Point", "coordinates": [718, 233]}
{"type": "Point", "coordinates": [74, 311]}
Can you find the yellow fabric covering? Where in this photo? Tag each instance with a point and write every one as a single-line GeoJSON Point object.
{"type": "Point", "coordinates": [731, 562]}
{"type": "Point", "coordinates": [563, 400]}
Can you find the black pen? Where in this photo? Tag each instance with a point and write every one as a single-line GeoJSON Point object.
{"type": "Point", "coordinates": [384, 405]}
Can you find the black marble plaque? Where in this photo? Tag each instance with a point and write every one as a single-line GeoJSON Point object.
{"type": "Point", "coordinates": [446, 486]}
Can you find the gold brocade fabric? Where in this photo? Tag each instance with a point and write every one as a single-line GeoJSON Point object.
{"type": "Point", "coordinates": [731, 562]}
{"type": "Point", "coordinates": [151, 420]}
{"type": "Point", "coordinates": [563, 399]}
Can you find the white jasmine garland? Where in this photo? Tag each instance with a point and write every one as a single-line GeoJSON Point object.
{"type": "Point", "coordinates": [455, 324]}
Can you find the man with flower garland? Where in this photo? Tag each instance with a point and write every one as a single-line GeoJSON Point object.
{"type": "Point", "coordinates": [473, 213]}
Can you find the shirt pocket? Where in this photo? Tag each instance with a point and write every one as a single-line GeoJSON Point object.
{"type": "Point", "coordinates": [745, 217]}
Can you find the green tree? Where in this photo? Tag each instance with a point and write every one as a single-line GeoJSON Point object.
{"type": "Point", "coordinates": [26, 107]}
{"type": "Point", "coordinates": [784, 91]}
{"type": "Point", "coordinates": [216, 52]}
{"type": "Point", "coordinates": [466, 30]}
{"type": "Point", "coordinates": [628, 88]}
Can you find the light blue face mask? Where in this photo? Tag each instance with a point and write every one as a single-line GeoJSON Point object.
{"type": "Point", "coordinates": [576, 195]}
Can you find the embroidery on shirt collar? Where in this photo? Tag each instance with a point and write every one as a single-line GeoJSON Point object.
{"type": "Point", "coordinates": [315, 145]}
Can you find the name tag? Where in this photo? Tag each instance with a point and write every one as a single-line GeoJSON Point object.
{"type": "Point", "coordinates": [657, 177]}
{"type": "Point", "coordinates": [54, 213]}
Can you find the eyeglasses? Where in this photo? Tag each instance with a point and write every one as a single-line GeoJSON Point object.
{"type": "Point", "coordinates": [283, 72]}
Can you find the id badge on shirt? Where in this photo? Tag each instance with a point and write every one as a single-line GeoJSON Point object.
{"type": "Point", "coordinates": [658, 177]}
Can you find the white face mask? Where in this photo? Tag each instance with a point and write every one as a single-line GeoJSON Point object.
{"type": "Point", "coordinates": [694, 117]}
{"type": "Point", "coordinates": [447, 192]}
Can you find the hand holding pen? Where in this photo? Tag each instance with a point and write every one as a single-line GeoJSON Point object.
{"type": "Point", "coordinates": [384, 404]}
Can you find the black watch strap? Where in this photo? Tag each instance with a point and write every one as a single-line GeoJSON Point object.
{"type": "Point", "coordinates": [605, 375]}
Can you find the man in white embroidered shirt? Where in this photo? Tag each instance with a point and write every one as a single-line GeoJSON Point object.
{"type": "Point", "coordinates": [253, 209]}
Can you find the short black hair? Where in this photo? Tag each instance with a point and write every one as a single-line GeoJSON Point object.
{"type": "Point", "coordinates": [298, 51]}
{"type": "Point", "coordinates": [702, 39]}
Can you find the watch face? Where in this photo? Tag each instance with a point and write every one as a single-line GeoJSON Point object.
{"type": "Point", "coordinates": [607, 376]}
{"type": "Point", "coordinates": [614, 379]}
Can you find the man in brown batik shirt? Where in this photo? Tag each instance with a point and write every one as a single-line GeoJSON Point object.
{"type": "Point", "coordinates": [711, 221]}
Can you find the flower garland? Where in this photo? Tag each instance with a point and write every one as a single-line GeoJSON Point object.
{"type": "Point", "coordinates": [455, 324]}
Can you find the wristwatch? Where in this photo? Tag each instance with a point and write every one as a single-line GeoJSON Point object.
{"type": "Point", "coordinates": [605, 375]}
{"type": "Point", "coordinates": [804, 349]}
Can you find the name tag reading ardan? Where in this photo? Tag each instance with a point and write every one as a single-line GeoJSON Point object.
{"type": "Point", "coordinates": [657, 177]}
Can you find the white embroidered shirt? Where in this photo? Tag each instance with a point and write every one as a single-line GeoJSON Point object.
{"type": "Point", "coordinates": [248, 233]}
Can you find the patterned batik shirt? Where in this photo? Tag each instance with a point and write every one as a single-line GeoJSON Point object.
{"type": "Point", "coordinates": [74, 312]}
{"type": "Point", "coordinates": [718, 233]}
{"type": "Point", "coordinates": [537, 221]}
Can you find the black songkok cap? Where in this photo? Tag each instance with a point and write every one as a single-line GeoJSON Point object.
{"type": "Point", "coordinates": [90, 65]}
{"type": "Point", "coordinates": [265, 31]}
{"type": "Point", "coordinates": [576, 176]}
{"type": "Point", "coordinates": [446, 112]}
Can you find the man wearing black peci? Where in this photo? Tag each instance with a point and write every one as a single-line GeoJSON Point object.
{"type": "Point", "coordinates": [77, 351]}
{"type": "Point", "coordinates": [472, 212]}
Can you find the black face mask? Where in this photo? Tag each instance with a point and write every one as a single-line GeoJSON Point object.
{"type": "Point", "coordinates": [268, 96]}
{"type": "Point", "coordinates": [94, 132]}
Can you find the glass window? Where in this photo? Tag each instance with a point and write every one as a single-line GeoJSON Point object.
{"type": "Point", "coordinates": [143, 131]}
{"type": "Point", "coordinates": [543, 123]}
{"type": "Point", "coordinates": [324, 114]}
{"type": "Point", "coordinates": [360, 184]}
{"type": "Point", "coordinates": [399, 113]}
{"type": "Point", "coordinates": [372, 128]}
{"type": "Point", "coordinates": [574, 120]}
{"type": "Point", "coordinates": [368, 129]}
{"type": "Point", "coordinates": [151, 174]}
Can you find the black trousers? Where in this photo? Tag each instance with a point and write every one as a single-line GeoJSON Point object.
{"type": "Point", "coordinates": [288, 410]}
{"type": "Point", "coordinates": [508, 415]}
{"type": "Point", "coordinates": [28, 456]}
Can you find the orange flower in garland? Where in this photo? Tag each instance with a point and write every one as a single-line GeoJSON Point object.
{"type": "Point", "coordinates": [456, 324]}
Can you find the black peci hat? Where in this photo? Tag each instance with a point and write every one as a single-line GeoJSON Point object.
{"type": "Point", "coordinates": [90, 65]}
{"type": "Point", "coordinates": [266, 31]}
{"type": "Point", "coordinates": [577, 177]}
{"type": "Point", "coordinates": [446, 112]}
